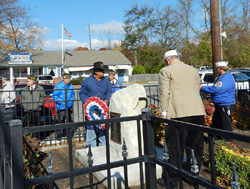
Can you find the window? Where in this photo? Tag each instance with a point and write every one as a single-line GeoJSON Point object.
{"type": "Point", "coordinates": [34, 71]}
{"type": "Point", "coordinates": [18, 73]}
{"type": "Point", "coordinates": [74, 73]}
{"type": "Point", "coordinates": [45, 78]}
{"type": "Point", "coordinates": [52, 71]}
{"type": "Point", "coordinates": [209, 78]}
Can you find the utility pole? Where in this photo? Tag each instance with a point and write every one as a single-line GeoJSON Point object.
{"type": "Point", "coordinates": [89, 37]}
{"type": "Point", "coordinates": [215, 31]}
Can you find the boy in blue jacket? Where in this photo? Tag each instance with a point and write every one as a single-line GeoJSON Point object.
{"type": "Point", "coordinates": [59, 97]}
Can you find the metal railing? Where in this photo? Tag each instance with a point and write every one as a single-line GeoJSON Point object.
{"type": "Point", "coordinates": [12, 154]}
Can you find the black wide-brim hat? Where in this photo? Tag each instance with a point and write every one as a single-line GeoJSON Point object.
{"type": "Point", "coordinates": [98, 66]}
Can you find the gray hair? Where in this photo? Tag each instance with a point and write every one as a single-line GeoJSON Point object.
{"type": "Point", "coordinates": [172, 57]}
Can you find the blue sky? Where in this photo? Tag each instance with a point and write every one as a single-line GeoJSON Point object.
{"type": "Point", "coordinates": [105, 17]}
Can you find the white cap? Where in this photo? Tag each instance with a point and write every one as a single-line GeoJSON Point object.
{"type": "Point", "coordinates": [171, 53]}
{"type": "Point", "coordinates": [221, 63]}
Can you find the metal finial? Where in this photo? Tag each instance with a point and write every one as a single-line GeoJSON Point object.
{"type": "Point", "coordinates": [194, 166]}
{"type": "Point", "coordinates": [124, 148]}
{"type": "Point", "coordinates": [234, 178]}
{"type": "Point", "coordinates": [90, 155]}
{"type": "Point", "coordinates": [50, 164]}
{"type": "Point", "coordinates": [165, 152]}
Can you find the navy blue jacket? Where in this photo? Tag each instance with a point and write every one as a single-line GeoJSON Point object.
{"type": "Point", "coordinates": [92, 87]}
{"type": "Point", "coordinates": [59, 95]}
{"type": "Point", "coordinates": [223, 90]}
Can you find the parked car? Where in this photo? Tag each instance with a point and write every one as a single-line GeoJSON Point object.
{"type": "Point", "coordinates": [241, 84]}
{"type": "Point", "coordinates": [48, 112]}
{"type": "Point", "coordinates": [46, 79]}
{"type": "Point", "coordinates": [244, 71]}
{"type": "Point", "coordinates": [202, 68]}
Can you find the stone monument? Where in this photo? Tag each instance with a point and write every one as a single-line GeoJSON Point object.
{"type": "Point", "coordinates": [123, 103]}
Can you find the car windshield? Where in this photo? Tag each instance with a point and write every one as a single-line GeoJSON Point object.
{"type": "Point", "coordinates": [209, 68]}
{"type": "Point", "coordinates": [240, 77]}
{"type": "Point", "coordinates": [247, 73]}
{"type": "Point", "coordinates": [47, 88]}
{"type": "Point", "coordinates": [45, 78]}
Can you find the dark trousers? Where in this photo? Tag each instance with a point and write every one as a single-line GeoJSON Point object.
{"type": "Point", "coordinates": [32, 118]}
{"type": "Point", "coordinates": [222, 119]}
{"type": "Point", "coordinates": [189, 139]}
{"type": "Point", "coordinates": [62, 118]}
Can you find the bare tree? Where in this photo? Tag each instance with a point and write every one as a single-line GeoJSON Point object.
{"type": "Point", "coordinates": [17, 29]}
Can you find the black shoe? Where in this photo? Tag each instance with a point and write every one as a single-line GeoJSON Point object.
{"type": "Point", "coordinates": [173, 184]}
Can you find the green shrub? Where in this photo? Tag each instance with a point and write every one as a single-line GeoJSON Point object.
{"type": "Point", "coordinates": [138, 69]}
{"type": "Point", "coordinates": [77, 81]}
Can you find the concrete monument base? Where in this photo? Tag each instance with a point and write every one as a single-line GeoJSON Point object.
{"type": "Point", "coordinates": [117, 174]}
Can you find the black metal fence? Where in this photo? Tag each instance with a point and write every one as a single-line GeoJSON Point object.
{"type": "Point", "coordinates": [11, 141]}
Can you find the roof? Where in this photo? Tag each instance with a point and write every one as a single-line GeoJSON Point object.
{"type": "Point", "coordinates": [71, 58]}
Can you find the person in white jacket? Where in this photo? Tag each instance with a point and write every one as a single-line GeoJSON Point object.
{"type": "Point", "coordinates": [8, 98]}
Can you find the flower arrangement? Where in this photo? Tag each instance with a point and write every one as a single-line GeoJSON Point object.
{"type": "Point", "coordinates": [209, 109]}
{"type": "Point", "coordinates": [241, 116]}
{"type": "Point", "coordinates": [96, 109]}
{"type": "Point", "coordinates": [225, 154]}
{"type": "Point", "coordinates": [159, 128]}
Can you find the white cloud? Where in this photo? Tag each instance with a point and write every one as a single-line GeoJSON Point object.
{"type": "Point", "coordinates": [108, 28]}
{"type": "Point", "coordinates": [46, 30]}
{"type": "Point", "coordinates": [97, 44]}
{"type": "Point", "coordinates": [56, 45]}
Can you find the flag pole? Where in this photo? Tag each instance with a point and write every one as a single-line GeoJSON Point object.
{"type": "Point", "coordinates": [62, 44]}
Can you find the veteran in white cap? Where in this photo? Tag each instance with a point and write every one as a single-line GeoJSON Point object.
{"type": "Point", "coordinates": [179, 87]}
{"type": "Point", "coordinates": [223, 97]}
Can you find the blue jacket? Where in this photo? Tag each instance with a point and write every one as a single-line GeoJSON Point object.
{"type": "Point", "coordinates": [223, 90]}
{"type": "Point", "coordinates": [92, 87]}
{"type": "Point", "coordinates": [116, 85]}
{"type": "Point", "coordinates": [59, 95]}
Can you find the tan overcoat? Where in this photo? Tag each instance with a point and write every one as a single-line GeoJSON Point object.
{"type": "Point", "coordinates": [179, 87]}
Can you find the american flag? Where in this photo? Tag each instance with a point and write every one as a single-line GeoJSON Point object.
{"type": "Point", "coordinates": [68, 34]}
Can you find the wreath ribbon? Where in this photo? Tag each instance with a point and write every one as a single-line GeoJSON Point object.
{"type": "Point", "coordinates": [96, 109]}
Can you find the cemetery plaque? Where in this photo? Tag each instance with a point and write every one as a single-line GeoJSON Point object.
{"type": "Point", "coordinates": [115, 129]}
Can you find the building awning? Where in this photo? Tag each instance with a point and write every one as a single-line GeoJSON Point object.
{"type": "Point", "coordinates": [122, 67]}
{"type": "Point", "coordinates": [73, 69]}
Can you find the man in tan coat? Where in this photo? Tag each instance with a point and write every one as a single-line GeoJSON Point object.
{"type": "Point", "coordinates": [179, 87]}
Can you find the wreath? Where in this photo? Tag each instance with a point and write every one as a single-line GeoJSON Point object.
{"type": "Point", "coordinates": [96, 109]}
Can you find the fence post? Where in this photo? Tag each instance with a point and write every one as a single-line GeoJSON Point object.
{"type": "Point", "coordinates": [16, 155]}
{"type": "Point", "coordinates": [234, 178]}
{"type": "Point", "coordinates": [6, 117]}
{"type": "Point", "coordinates": [149, 147]}
{"type": "Point", "coordinates": [125, 155]}
{"type": "Point", "coordinates": [50, 169]}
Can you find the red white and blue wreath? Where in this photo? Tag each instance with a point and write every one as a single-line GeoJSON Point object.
{"type": "Point", "coordinates": [96, 109]}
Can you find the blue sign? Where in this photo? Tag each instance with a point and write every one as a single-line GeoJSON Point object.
{"type": "Point", "coordinates": [20, 58]}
